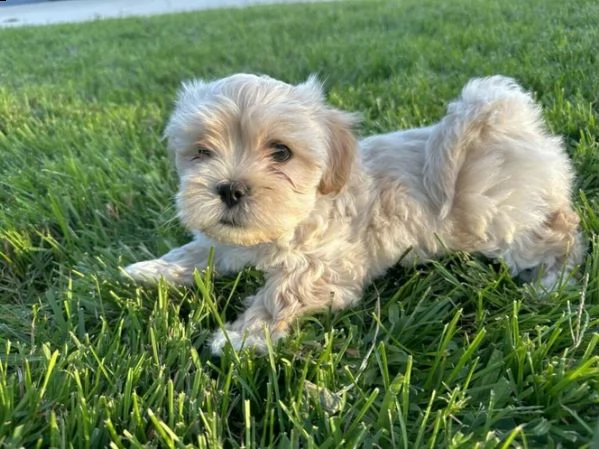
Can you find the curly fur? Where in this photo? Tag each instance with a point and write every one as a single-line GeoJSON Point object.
{"type": "Point", "coordinates": [488, 178]}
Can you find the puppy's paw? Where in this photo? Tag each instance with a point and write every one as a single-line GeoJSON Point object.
{"type": "Point", "coordinates": [544, 281]}
{"type": "Point", "coordinates": [238, 340]}
{"type": "Point", "coordinates": [255, 337]}
{"type": "Point", "coordinates": [150, 271]}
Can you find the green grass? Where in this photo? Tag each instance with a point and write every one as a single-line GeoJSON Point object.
{"type": "Point", "coordinates": [452, 355]}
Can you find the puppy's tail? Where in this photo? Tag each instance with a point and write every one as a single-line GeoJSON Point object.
{"type": "Point", "coordinates": [486, 109]}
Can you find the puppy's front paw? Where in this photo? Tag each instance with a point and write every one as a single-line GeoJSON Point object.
{"type": "Point", "coordinates": [150, 271]}
{"type": "Point", "coordinates": [239, 340]}
{"type": "Point", "coordinates": [255, 337]}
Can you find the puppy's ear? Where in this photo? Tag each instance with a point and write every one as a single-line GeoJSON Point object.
{"type": "Point", "coordinates": [342, 146]}
{"type": "Point", "coordinates": [341, 140]}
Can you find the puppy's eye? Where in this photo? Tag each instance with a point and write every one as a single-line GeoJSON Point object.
{"type": "Point", "coordinates": [280, 152]}
{"type": "Point", "coordinates": [201, 153]}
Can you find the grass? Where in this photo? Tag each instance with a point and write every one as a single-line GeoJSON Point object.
{"type": "Point", "coordinates": [451, 355]}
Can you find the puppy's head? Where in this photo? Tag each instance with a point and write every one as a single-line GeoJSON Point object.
{"type": "Point", "coordinates": [253, 154]}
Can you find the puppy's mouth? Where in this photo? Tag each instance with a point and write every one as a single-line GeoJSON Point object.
{"type": "Point", "coordinates": [230, 222]}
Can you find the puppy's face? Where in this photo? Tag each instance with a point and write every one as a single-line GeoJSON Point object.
{"type": "Point", "coordinates": [253, 155]}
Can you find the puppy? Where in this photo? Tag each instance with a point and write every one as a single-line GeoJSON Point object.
{"type": "Point", "coordinates": [273, 177]}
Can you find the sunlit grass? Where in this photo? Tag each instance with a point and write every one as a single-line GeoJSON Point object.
{"type": "Point", "coordinates": [455, 354]}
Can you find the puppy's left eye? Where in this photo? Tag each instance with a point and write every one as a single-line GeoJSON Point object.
{"type": "Point", "coordinates": [280, 152]}
{"type": "Point", "coordinates": [201, 153]}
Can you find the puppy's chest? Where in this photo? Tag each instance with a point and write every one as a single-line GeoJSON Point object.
{"type": "Point", "coordinates": [327, 256]}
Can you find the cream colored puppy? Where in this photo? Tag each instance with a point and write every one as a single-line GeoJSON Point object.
{"type": "Point", "coordinates": [273, 177]}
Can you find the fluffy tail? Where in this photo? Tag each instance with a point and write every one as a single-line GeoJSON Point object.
{"type": "Point", "coordinates": [485, 107]}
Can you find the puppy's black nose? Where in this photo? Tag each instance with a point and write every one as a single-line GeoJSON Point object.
{"type": "Point", "coordinates": [232, 192]}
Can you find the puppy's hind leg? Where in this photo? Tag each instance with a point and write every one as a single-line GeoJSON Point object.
{"type": "Point", "coordinates": [485, 106]}
{"type": "Point", "coordinates": [547, 256]}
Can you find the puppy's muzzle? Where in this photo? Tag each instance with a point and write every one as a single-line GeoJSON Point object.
{"type": "Point", "coordinates": [232, 193]}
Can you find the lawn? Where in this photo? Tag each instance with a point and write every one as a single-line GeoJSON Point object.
{"type": "Point", "coordinates": [455, 354]}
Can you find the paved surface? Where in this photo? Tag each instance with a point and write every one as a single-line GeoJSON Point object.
{"type": "Point", "coordinates": [19, 2]}
{"type": "Point", "coordinates": [40, 12]}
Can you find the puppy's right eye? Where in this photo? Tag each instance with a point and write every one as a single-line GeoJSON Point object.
{"type": "Point", "coordinates": [201, 153]}
{"type": "Point", "coordinates": [280, 152]}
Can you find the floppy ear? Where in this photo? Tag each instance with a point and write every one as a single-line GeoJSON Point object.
{"type": "Point", "coordinates": [342, 147]}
